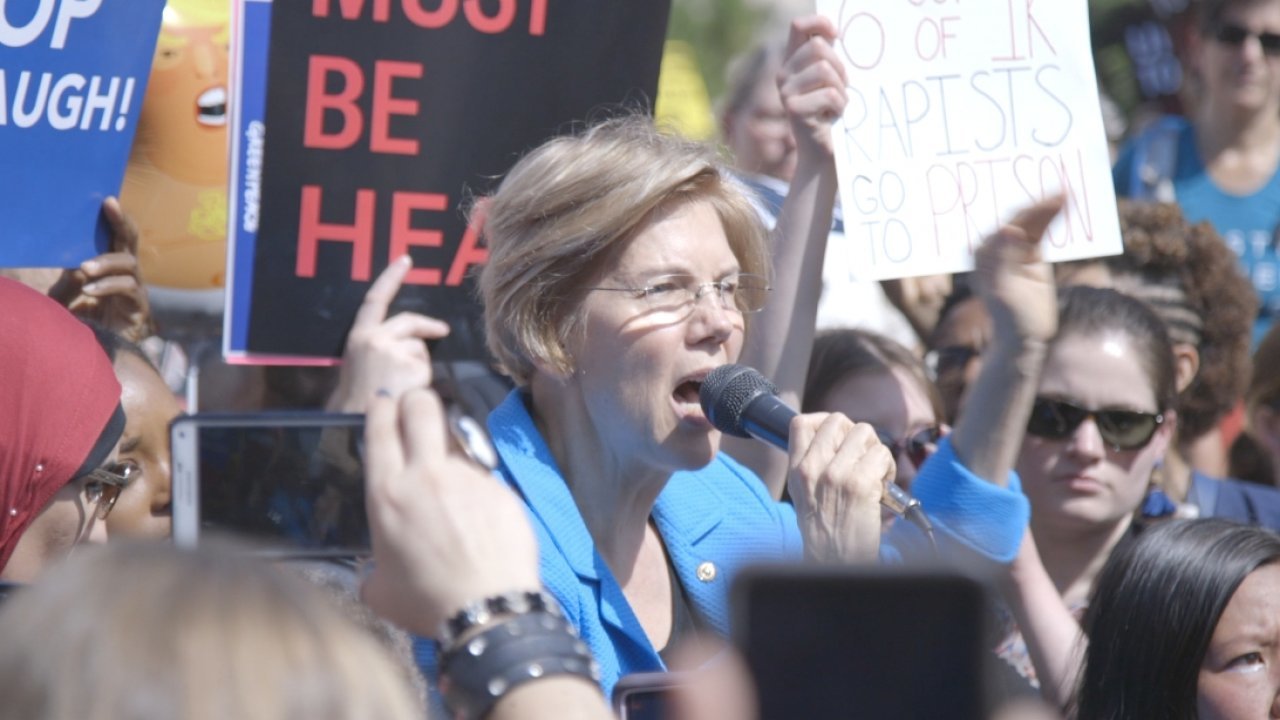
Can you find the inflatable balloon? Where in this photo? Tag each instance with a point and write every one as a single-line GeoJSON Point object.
{"type": "Point", "coordinates": [175, 186]}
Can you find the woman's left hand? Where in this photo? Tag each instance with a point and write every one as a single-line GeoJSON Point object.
{"type": "Point", "coordinates": [837, 476]}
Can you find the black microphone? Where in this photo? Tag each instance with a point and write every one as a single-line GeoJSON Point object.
{"type": "Point", "coordinates": [739, 401]}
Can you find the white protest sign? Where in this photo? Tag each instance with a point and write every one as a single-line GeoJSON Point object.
{"type": "Point", "coordinates": [960, 113]}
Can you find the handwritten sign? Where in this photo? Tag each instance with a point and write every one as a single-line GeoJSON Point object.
{"type": "Point", "coordinates": [72, 77]}
{"type": "Point", "coordinates": [959, 114]}
{"type": "Point", "coordinates": [384, 118]}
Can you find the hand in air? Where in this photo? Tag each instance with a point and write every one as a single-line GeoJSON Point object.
{"type": "Point", "coordinates": [385, 353]}
{"type": "Point", "coordinates": [812, 83]}
{"type": "Point", "coordinates": [108, 288]}
{"type": "Point", "coordinates": [1014, 280]}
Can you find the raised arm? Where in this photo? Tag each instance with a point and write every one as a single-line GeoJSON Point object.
{"type": "Point", "coordinates": [1019, 292]}
{"type": "Point", "coordinates": [1018, 289]}
{"type": "Point", "coordinates": [812, 82]}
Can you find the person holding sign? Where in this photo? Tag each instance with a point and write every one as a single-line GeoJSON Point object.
{"type": "Point", "coordinates": [757, 131]}
{"type": "Point", "coordinates": [1223, 165]}
{"type": "Point", "coordinates": [106, 289]}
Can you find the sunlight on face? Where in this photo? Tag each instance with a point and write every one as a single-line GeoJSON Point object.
{"type": "Point", "coordinates": [1240, 675]}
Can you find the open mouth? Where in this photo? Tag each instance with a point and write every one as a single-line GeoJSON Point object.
{"type": "Point", "coordinates": [688, 392]}
{"type": "Point", "coordinates": [211, 107]}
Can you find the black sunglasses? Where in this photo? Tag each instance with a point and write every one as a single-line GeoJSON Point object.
{"type": "Point", "coordinates": [1236, 35]}
{"type": "Point", "coordinates": [918, 446]}
{"type": "Point", "coordinates": [1120, 429]}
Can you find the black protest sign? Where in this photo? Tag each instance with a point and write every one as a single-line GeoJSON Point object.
{"type": "Point", "coordinates": [385, 119]}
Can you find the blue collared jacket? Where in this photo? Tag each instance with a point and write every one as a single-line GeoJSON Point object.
{"type": "Point", "coordinates": [713, 521]}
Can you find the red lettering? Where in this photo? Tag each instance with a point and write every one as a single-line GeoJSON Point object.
{"type": "Point", "coordinates": [404, 235]}
{"type": "Point", "coordinates": [864, 38]}
{"type": "Point", "coordinates": [318, 102]}
{"type": "Point", "coordinates": [311, 232]}
{"type": "Point", "coordinates": [384, 106]}
{"type": "Point", "coordinates": [351, 9]}
{"type": "Point", "coordinates": [1033, 23]}
{"type": "Point", "coordinates": [430, 19]}
{"type": "Point", "coordinates": [498, 23]}
{"type": "Point", "coordinates": [538, 17]}
{"type": "Point", "coordinates": [1013, 40]}
{"type": "Point", "coordinates": [470, 252]}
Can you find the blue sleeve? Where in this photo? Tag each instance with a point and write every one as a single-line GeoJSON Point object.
{"type": "Point", "coordinates": [969, 514]}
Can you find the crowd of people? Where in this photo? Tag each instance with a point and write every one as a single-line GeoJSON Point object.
{"type": "Point", "coordinates": [1092, 438]}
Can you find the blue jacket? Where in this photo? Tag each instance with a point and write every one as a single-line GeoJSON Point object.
{"type": "Point", "coordinates": [1236, 500]}
{"type": "Point", "coordinates": [713, 521]}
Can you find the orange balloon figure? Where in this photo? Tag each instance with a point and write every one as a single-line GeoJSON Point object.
{"type": "Point", "coordinates": [175, 186]}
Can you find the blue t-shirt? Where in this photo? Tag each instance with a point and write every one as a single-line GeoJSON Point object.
{"type": "Point", "coordinates": [1247, 222]}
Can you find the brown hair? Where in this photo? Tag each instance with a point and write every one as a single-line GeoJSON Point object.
{"type": "Point", "coordinates": [1192, 280]}
{"type": "Point", "coordinates": [567, 208]}
{"type": "Point", "coordinates": [839, 353]}
{"type": "Point", "coordinates": [1089, 312]}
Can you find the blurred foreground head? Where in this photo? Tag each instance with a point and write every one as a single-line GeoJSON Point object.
{"type": "Point", "coordinates": [145, 631]}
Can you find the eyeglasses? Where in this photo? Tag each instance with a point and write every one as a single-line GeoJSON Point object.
{"type": "Point", "coordinates": [1236, 35]}
{"type": "Point", "coordinates": [1121, 429]}
{"type": "Point", "coordinates": [105, 484]}
{"type": "Point", "coordinates": [677, 292]}
{"type": "Point", "coordinates": [918, 446]}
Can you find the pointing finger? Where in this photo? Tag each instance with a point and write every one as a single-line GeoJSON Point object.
{"type": "Point", "coordinates": [373, 310]}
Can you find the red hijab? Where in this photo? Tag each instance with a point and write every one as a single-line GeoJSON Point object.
{"type": "Point", "coordinates": [59, 406]}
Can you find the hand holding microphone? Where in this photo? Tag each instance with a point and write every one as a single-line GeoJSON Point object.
{"type": "Point", "coordinates": [840, 472]}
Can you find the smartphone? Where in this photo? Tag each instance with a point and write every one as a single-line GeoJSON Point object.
{"type": "Point", "coordinates": [837, 642]}
{"type": "Point", "coordinates": [645, 695]}
{"type": "Point", "coordinates": [284, 485]}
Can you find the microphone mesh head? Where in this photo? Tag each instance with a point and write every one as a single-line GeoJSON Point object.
{"type": "Point", "coordinates": [726, 393]}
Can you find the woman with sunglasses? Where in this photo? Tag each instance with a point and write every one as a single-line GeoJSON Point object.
{"type": "Point", "coordinates": [1224, 164]}
{"type": "Point", "coordinates": [1101, 420]}
{"type": "Point", "coordinates": [873, 379]}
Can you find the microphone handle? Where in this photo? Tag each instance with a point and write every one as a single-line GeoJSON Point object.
{"type": "Point", "coordinates": [769, 419]}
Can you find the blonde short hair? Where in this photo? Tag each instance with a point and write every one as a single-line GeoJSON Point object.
{"type": "Point", "coordinates": [564, 212]}
{"type": "Point", "coordinates": [143, 631]}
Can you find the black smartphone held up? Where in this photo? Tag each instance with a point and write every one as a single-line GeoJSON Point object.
{"type": "Point", "coordinates": [287, 485]}
{"type": "Point", "coordinates": [646, 695]}
{"type": "Point", "coordinates": [839, 642]}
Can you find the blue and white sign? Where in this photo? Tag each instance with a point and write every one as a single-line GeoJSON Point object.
{"type": "Point", "coordinates": [72, 77]}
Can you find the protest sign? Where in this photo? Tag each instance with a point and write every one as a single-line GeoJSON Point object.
{"type": "Point", "coordinates": [960, 114]}
{"type": "Point", "coordinates": [72, 77]}
{"type": "Point", "coordinates": [384, 119]}
{"type": "Point", "coordinates": [250, 36]}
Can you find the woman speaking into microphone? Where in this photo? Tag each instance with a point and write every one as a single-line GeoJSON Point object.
{"type": "Point", "coordinates": [624, 266]}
